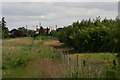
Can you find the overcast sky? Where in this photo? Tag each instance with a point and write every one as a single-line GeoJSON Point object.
{"type": "Point", "coordinates": [18, 14]}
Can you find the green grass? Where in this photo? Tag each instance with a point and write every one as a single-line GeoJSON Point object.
{"type": "Point", "coordinates": [22, 72]}
{"type": "Point", "coordinates": [31, 58]}
{"type": "Point", "coordinates": [94, 56]}
{"type": "Point", "coordinates": [94, 65]}
{"type": "Point", "coordinates": [18, 54]}
{"type": "Point", "coordinates": [45, 37]}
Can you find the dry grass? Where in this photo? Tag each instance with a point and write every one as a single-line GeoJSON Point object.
{"type": "Point", "coordinates": [16, 41]}
{"type": "Point", "coordinates": [38, 66]}
{"type": "Point", "coordinates": [52, 42]}
{"type": "Point", "coordinates": [51, 68]}
{"type": "Point", "coordinates": [14, 46]}
{"type": "Point", "coordinates": [42, 65]}
{"type": "Point", "coordinates": [57, 45]}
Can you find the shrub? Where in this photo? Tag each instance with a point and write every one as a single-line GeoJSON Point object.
{"type": "Point", "coordinates": [92, 36]}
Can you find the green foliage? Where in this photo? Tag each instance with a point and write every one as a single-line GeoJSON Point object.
{"type": "Point", "coordinates": [41, 32]}
{"type": "Point", "coordinates": [22, 32]}
{"type": "Point", "coordinates": [5, 31]}
{"type": "Point", "coordinates": [26, 32]}
{"type": "Point", "coordinates": [19, 60]}
{"type": "Point", "coordinates": [92, 36]}
{"type": "Point", "coordinates": [64, 34]}
{"type": "Point", "coordinates": [0, 29]}
{"type": "Point", "coordinates": [53, 33]}
{"type": "Point", "coordinates": [31, 33]}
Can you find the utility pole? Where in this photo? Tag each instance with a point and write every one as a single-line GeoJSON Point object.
{"type": "Point", "coordinates": [26, 26]}
{"type": "Point", "coordinates": [26, 30]}
{"type": "Point", "coordinates": [56, 26]}
{"type": "Point", "coordinates": [39, 24]}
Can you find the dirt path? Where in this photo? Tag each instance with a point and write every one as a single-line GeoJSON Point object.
{"type": "Point", "coordinates": [51, 67]}
{"type": "Point", "coordinates": [57, 45]}
{"type": "Point", "coordinates": [52, 42]}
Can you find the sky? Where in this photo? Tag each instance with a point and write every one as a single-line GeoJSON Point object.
{"type": "Point", "coordinates": [119, 9]}
{"type": "Point", "coordinates": [60, 0]}
{"type": "Point", "coordinates": [19, 14]}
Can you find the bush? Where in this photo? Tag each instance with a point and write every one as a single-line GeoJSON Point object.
{"type": "Point", "coordinates": [64, 34]}
{"type": "Point", "coordinates": [92, 36]}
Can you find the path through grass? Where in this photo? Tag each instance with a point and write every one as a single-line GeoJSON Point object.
{"type": "Point", "coordinates": [36, 58]}
{"type": "Point", "coordinates": [87, 65]}
{"type": "Point", "coordinates": [22, 57]}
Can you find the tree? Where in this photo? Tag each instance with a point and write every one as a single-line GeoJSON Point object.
{"type": "Point", "coordinates": [5, 31]}
{"type": "Point", "coordinates": [0, 29]}
{"type": "Point", "coordinates": [54, 33]}
{"type": "Point", "coordinates": [24, 31]}
{"type": "Point", "coordinates": [21, 32]}
{"type": "Point", "coordinates": [31, 33]}
{"type": "Point", "coordinates": [41, 31]}
{"type": "Point", "coordinates": [47, 32]}
{"type": "Point", "coordinates": [92, 36]}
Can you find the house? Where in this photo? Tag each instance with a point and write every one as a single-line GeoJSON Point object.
{"type": "Point", "coordinates": [15, 33]}
{"type": "Point", "coordinates": [45, 30]}
{"type": "Point", "coordinates": [59, 29]}
{"type": "Point", "coordinates": [12, 31]}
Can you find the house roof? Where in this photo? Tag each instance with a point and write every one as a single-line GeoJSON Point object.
{"type": "Point", "coordinates": [13, 30]}
{"type": "Point", "coordinates": [43, 29]}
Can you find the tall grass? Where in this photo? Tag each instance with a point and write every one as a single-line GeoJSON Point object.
{"type": "Point", "coordinates": [33, 58]}
{"type": "Point", "coordinates": [20, 56]}
{"type": "Point", "coordinates": [100, 65]}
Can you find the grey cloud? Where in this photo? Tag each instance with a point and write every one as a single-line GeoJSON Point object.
{"type": "Point", "coordinates": [60, 13]}
{"type": "Point", "coordinates": [109, 6]}
{"type": "Point", "coordinates": [30, 9]}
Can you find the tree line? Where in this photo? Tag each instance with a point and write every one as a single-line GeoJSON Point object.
{"type": "Point", "coordinates": [92, 35]}
{"type": "Point", "coordinates": [86, 36]}
{"type": "Point", "coordinates": [20, 32]}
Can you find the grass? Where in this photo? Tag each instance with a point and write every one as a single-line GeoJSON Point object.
{"type": "Point", "coordinates": [94, 56]}
{"type": "Point", "coordinates": [41, 58]}
{"type": "Point", "coordinates": [45, 38]}
{"type": "Point", "coordinates": [94, 65]}
{"type": "Point", "coordinates": [15, 52]}
{"type": "Point", "coordinates": [20, 54]}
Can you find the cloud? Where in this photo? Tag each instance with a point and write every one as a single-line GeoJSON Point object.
{"type": "Point", "coordinates": [55, 13]}
{"type": "Point", "coordinates": [60, 0]}
{"type": "Point", "coordinates": [119, 9]}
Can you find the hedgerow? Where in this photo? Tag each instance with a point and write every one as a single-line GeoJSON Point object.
{"type": "Point", "coordinates": [92, 36]}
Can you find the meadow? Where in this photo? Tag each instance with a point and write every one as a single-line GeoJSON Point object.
{"type": "Point", "coordinates": [21, 57]}
{"type": "Point", "coordinates": [48, 58]}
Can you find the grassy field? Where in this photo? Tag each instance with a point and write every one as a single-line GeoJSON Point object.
{"type": "Point", "coordinates": [99, 65]}
{"type": "Point", "coordinates": [87, 65]}
{"type": "Point", "coordinates": [37, 58]}
{"type": "Point", "coordinates": [28, 58]}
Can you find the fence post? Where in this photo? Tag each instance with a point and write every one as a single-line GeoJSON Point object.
{"type": "Point", "coordinates": [69, 63]}
{"type": "Point", "coordinates": [77, 66]}
{"type": "Point", "coordinates": [77, 61]}
{"type": "Point", "coordinates": [84, 63]}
